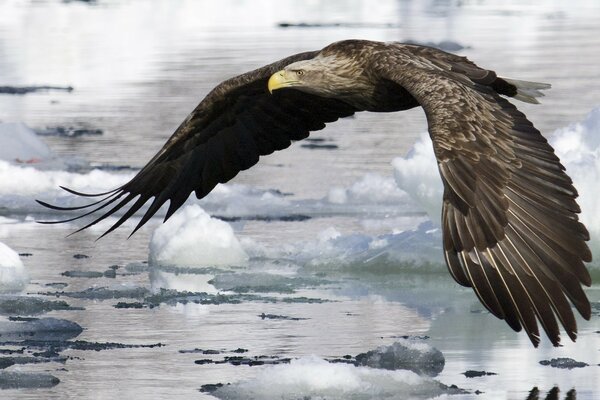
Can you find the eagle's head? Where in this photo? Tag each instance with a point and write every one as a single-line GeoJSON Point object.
{"type": "Point", "coordinates": [331, 75]}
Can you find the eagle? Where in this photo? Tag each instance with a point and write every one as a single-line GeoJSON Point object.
{"type": "Point", "coordinates": [509, 215]}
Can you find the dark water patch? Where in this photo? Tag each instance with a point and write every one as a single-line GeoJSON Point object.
{"type": "Point", "coordinates": [263, 283]}
{"type": "Point", "coordinates": [564, 363]}
{"type": "Point", "coordinates": [210, 387]}
{"type": "Point", "coordinates": [68, 131]}
{"type": "Point", "coordinates": [12, 351]}
{"type": "Point", "coordinates": [135, 304]}
{"type": "Point", "coordinates": [112, 167]}
{"type": "Point", "coordinates": [35, 359]}
{"type": "Point", "coordinates": [25, 254]}
{"type": "Point", "coordinates": [266, 218]}
{"type": "Point", "coordinates": [6, 362]}
{"type": "Point", "coordinates": [319, 146]}
{"type": "Point", "coordinates": [26, 380]}
{"type": "Point", "coordinates": [82, 274]}
{"type": "Point", "coordinates": [280, 317]}
{"type": "Point", "coordinates": [412, 355]}
{"type": "Point", "coordinates": [33, 89]}
{"type": "Point", "coordinates": [212, 351]}
{"type": "Point", "coordinates": [45, 329]}
{"type": "Point", "coordinates": [25, 305]}
{"type": "Point", "coordinates": [303, 299]}
{"type": "Point", "coordinates": [411, 337]}
{"type": "Point", "coordinates": [109, 273]}
{"type": "Point", "coordinates": [352, 25]}
{"type": "Point", "coordinates": [56, 285]}
{"type": "Point", "coordinates": [103, 293]}
{"type": "Point", "coordinates": [61, 345]}
{"type": "Point", "coordinates": [80, 256]}
{"type": "Point", "coordinates": [254, 361]}
{"type": "Point", "coordinates": [173, 297]}
{"type": "Point", "coordinates": [239, 350]}
{"type": "Point", "coordinates": [476, 374]}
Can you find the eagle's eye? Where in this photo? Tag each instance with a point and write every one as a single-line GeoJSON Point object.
{"type": "Point", "coordinates": [300, 72]}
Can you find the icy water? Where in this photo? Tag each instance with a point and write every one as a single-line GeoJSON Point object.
{"type": "Point", "coordinates": [322, 256]}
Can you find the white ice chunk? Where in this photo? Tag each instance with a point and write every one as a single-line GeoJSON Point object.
{"type": "Point", "coordinates": [26, 181]}
{"type": "Point", "coordinates": [578, 147]}
{"type": "Point", "coordinates": [315, 378]}
{"type": "Point", "coordinates": [372, 188]}
{"type": "Point", "coordinates": [192, 238]}
{"type": "Point", "coordinates": [13, 276]}
{"type": "Point", "coordinates": [417, 175]}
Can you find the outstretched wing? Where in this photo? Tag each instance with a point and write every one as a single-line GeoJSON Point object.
{"type": "Point", "coordinates": [237, 122]}
{"type": "Point", "coordinates": [509, 217]}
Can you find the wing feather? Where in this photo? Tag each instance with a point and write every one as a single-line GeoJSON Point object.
{"type": "Point", "coordinates": [509, 216]}
{"type": "Point", "coordinates": [235, 124]}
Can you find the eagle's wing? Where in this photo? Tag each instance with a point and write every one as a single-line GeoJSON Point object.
{"type": "Point", "coordinates": [237, 122]}
{"type": "Point", "coordinates": [509, 218]}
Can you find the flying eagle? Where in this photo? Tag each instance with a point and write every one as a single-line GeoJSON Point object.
{"type": "Point", "coordinates": [509, 216]}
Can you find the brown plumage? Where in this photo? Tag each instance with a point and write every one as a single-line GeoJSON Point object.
{"type": "Point", "coordinates": [509, 216]}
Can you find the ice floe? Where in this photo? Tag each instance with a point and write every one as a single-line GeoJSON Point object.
{"type": "Point", "coordinates": [191, 237]}
{"type": "Point", "coordinates": [315, 378]}
{"type": "Point", "coordinates": [13, 276]}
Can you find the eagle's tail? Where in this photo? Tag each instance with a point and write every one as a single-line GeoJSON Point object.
{"type": "Point", "coordinates": [528, 91]}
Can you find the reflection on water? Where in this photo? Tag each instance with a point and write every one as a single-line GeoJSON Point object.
{"type": "Point", "coordinates": [138, 68]}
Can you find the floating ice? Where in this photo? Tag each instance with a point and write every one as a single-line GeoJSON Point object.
{"type": "Point", "coordinates": [27, 181]}
{"type": "Point", "coordinates": [13, 276]}
{"type": "Point", "coordinates": [409, 354]}
{"type": "Point", "coordinates": [417, 175]}
{"type": "Point", "coordinates": [315, 378]}
{"type": "Point", "coordinates": [192, 238]}
{"type": "Point", "coordinates": [372, 188]}
{"type": "Point", "coordinates": [421, 246]}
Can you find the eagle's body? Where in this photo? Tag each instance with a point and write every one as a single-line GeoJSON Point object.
{"type": "Point", "coordinates": [509, 213]}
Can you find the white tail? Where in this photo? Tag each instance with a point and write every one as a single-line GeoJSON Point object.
{"type": "Point", "coordinates": [528, 91]}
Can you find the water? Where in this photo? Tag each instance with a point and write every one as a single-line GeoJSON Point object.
{"type": "Point", "coordinates": [139, 67]}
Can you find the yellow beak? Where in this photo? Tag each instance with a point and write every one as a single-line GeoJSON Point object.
{"type": "Point", "coordinates": [278, 80]}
